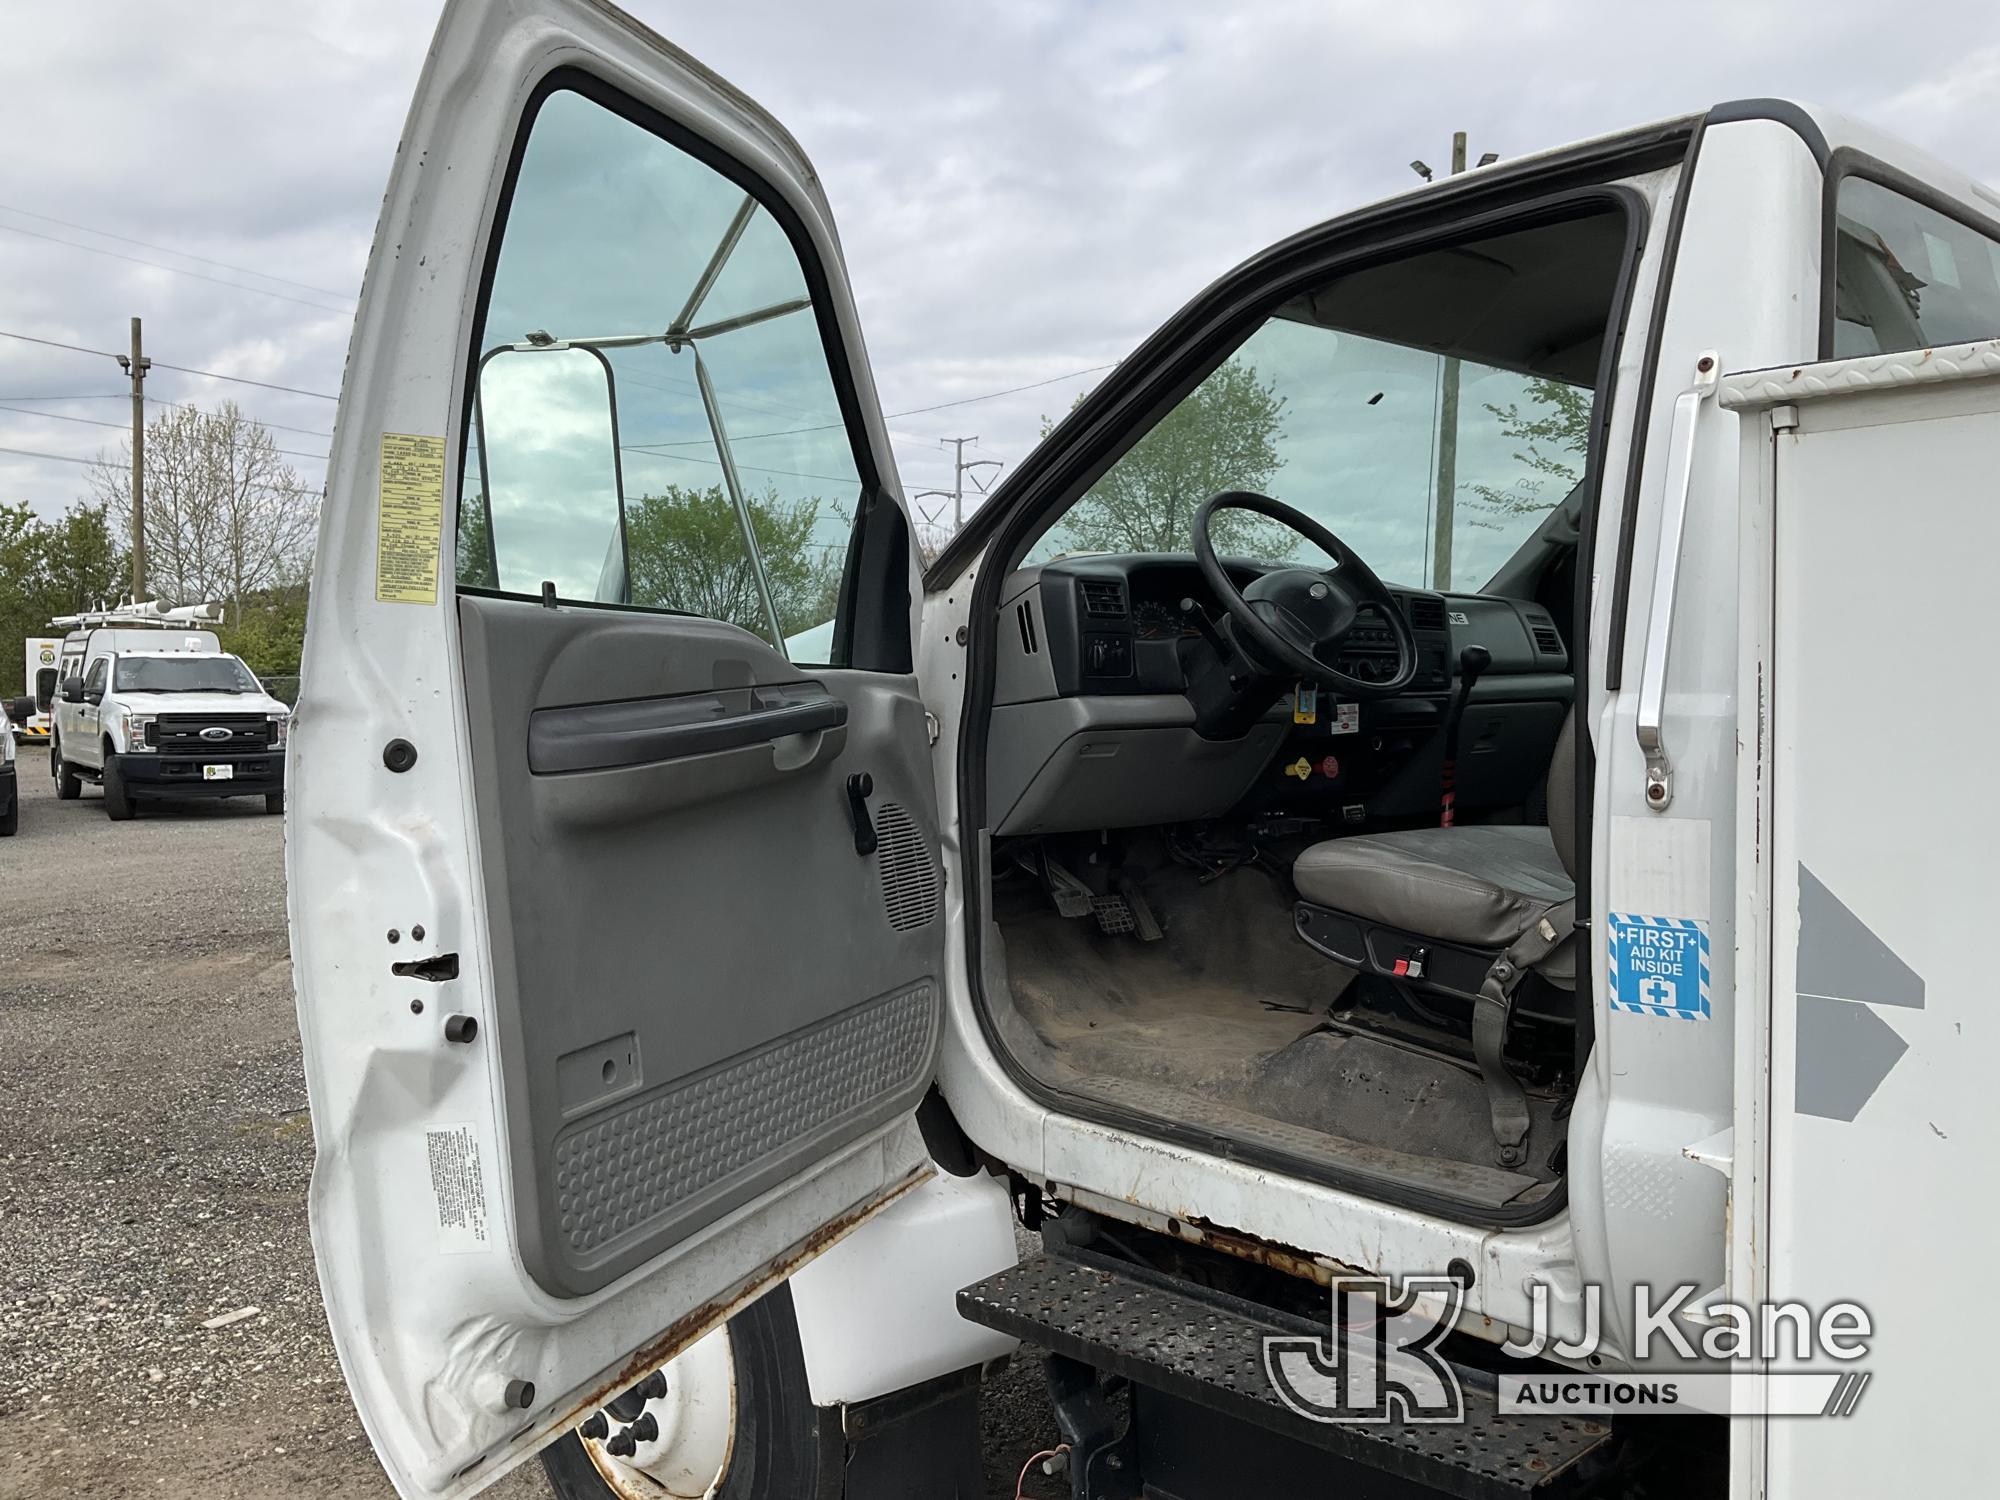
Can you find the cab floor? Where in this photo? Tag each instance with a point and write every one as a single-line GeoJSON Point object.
{"type": "Point", "coordinates": [1227, 1009]}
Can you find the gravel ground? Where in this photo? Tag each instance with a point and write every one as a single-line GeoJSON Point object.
{"type": "Point", "coordinates": [154, 1156]}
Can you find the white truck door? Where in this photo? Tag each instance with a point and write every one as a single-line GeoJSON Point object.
{"type": "Point", "coordinates": [1872, 481]}
{"type": "Point", "coordinates": [617, 933]}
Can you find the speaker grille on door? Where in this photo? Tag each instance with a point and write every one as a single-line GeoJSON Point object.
{"type": "Point", "coordinates": [909, 872]}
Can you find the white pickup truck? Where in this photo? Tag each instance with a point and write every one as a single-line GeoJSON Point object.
{"type": "Point", "coordinates": [1417, 950]}
{"type": "Point", "coordinates": [152, 708]}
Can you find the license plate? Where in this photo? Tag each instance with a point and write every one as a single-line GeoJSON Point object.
{"type": "Point", "coordinates": [217, 773]}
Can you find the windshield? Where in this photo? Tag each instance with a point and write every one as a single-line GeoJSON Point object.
{"type": "Point", "coordinates": [1431, 413]}
{"type": "Point", "coordinates": [184, 674]}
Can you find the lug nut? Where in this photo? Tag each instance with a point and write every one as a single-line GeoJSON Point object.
{"type": "Point", "coordinates": [645, 1430]}
{"type": "Point", "coordinates": [596, 1427]}
{"type": "Point", "coordinates": [653, 1387]}
{"type": "Point", "coordinates": [621, 1444]}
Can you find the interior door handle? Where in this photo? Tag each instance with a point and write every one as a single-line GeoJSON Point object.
{"type": "Point", "coordinates": [1650, 725]}
{"type": "Point", "coordinates": [604, 736]}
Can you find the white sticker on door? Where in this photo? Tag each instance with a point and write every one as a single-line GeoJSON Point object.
{"type": "Point", "coordinates": [459, 1189]}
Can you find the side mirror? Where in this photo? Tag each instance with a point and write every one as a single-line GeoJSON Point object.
{"type": "Point", "coordinates": [21, 710]}
{"type": "Point", "coordinates": [72, 689]}
{"type": "Point", "coordinates": [547, 425]}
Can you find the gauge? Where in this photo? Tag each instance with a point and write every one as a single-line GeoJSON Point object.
{"type": "Point", "coordinates": [1156, 620]}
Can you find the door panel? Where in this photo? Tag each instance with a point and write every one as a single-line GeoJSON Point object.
{"type": "Point", "coordinates": [723, 963]}
{"type": "Point", "coordinates": [608, 1021]}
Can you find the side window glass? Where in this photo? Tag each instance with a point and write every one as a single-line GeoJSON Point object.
{"type": "Point", "coordinates": [1907, 276]}
{"type": "Point", "coordinates": [98, 670]}
{"type": "Point", "coordinates": [655, 423]}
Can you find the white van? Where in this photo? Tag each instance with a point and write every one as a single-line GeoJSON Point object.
{"type": "Point", "coordinates": [1421, 955]}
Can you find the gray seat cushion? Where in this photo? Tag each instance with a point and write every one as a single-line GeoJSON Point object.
{"type": "Point", "coordinates": [1481, 885]}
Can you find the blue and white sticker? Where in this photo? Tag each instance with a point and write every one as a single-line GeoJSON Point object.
{"type": "Point", "coordinates": [1659, 967]}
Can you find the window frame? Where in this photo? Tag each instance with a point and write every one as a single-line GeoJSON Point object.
{"type": "Point", "coordinates": [871, 490]}
{"type": "Point", "coordinates": [1850, 161]}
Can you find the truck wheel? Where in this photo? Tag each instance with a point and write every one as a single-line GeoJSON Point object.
{"type": "Point", "coordinates": [274, 802]}
{"type": "Point", "coordinates": [69, 786]}
{"type": "Point", "coordinates": [736, 1422]}
{"type": "Point", "coordinates": [117, 801]}
{"type": "Point", "coordinates": [10, 820]}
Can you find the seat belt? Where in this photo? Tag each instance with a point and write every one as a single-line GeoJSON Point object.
{"type": "Point", "coordinates": [1491, 1012]}
{"type": "Point", "coordinates": [1472, 663]}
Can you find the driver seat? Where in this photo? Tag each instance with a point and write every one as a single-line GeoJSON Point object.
{"type": "Point", "coordinates": [1508, 891]}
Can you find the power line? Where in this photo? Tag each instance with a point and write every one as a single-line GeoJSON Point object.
{"type": "Point", "coordinates": [274, 426]}
{"type": "Point", "coordinates": [93, 396]}
{"type": "Point", "coordinates": [290, 390]}
{"type": "Point", "coordinates": [61, 458]}
{"type": "Point", "coordinates": [159, 364]}
{"type": "Point", "coordinates": [892, 416]}
{"type": "Point", "coordinates": [140, 260]}
{"type": "Point", "coordinates": [171, 405]}
{"type": "Point", "coordinates": [917, 411]}
{"type": "Point", "coordinates": [28, 213]}
{"type": "Point", "coordinates": [55, 416]}
{"type": "Point", "coordinates": [29, 338]}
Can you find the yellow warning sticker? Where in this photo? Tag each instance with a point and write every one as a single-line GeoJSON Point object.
{"type": "Point", "coordinates": [409, 519]}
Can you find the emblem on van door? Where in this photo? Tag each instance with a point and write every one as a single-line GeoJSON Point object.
{"type": "Point", "coordinates": [216, 732]}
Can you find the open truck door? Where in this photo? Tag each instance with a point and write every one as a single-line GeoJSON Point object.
{"type": "Point", "coordinates": [617, 933]}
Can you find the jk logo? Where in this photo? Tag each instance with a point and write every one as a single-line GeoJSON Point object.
{"type": "Point", "coordinates": [1380, 1360]}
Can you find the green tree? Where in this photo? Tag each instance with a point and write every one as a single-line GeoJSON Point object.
{"type": "Point", "coordinates": [1222, 436]}
{"type": "Point", "coordinates": [474, 553]}
{"type": "Point", "coordinates": [1555, 429]}
{"type": "Point", "coordinates": [50, 568]}
{"type": "Point", "coordinates": [268, 630]}
{"type": "Point", "coordinates": [685, 551]}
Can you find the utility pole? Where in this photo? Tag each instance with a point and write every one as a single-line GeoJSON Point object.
{"type": "Point", "coordinates": [960, 468]}
{"type": "Point", "coordinates": [136, 366]}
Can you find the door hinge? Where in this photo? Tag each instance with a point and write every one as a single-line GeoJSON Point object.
{"type": "Point", "coordinates": [1784, 419]}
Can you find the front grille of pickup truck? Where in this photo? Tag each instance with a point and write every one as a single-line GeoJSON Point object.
{"type": "Point", "coordinates": [182, 733]}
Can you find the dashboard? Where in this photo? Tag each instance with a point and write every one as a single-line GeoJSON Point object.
{"type": "Point", "coordinates": [1092, 727]}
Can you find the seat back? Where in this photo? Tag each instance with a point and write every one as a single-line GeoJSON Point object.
{"type": "Point", "coordinates": [1562, 795]}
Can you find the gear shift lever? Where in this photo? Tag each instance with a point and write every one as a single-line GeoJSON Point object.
{"type": "Point", "coordinates": [1472, 662]}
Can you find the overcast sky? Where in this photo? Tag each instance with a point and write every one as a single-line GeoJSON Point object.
{"type": "Point", "coordinates": [1024, 190]}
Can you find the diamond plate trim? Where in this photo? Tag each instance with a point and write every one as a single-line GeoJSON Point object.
{"type": "Point", "coordinates": [1209, 1348]}
{"type": "Point", "coordinates": [1869, 372]}
{"type": "Point", "coordinates": [618, 1174]}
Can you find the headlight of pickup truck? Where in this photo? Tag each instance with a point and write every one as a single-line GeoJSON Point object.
{"type": "Point", "coordinates": [280, 723]}
{"type": "Point", "coordinates": [136, 727]}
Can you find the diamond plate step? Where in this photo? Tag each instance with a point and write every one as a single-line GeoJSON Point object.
{"type": "Point", "coordinates": [1207, 1347]}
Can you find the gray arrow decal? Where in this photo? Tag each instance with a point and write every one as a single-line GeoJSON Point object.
{"type": "Point", "coordinates": [1845, 1050]}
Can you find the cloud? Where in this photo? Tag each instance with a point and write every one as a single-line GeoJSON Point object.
{"type": "Point", "coordinates": [1023, 190]}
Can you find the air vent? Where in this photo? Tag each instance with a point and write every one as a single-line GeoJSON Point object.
{"type": "Point", "coordinates": [1426, 612]}
{"type": "Point", "coordinates": [1103, 598]}
{"type": "Point", "coordinates": [1547, 641]}
{"type": "Point", "coordinates": [909, 873]}
{"type": "Point", "coordinates": [1024, 613]}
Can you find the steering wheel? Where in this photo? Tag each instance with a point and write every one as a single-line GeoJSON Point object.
{"type": "Point", "coordinates": [1292, 621]}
